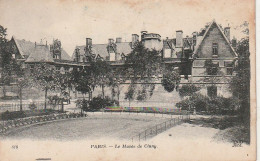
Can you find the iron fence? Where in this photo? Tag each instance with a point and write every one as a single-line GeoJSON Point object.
{"type": "Point", "coordinates": [9, 124]}
{"type": "Point", "coordinates": [40, 105]}
{"type": "Point", "coordinates": [153, 131]}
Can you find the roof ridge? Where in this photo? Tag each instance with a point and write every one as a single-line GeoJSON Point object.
{"type": "Point", "coordinates": [203, 38]}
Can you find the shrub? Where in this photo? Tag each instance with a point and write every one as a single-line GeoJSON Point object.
{"type": "Point", "coordinates": [188, 90]}
{"type": "Point", "coordinates": [184, 104]}
{"type": "Point", "coordinates": [96, 103]}
{"type": "Point", "coordinates": [12, 115]}
{"type": "Point", "coordinates": [170, 80]}
{"type": "Point", "coordinates": [199, 102]}
{"type": "Point", "coordinates": [223, 105]}
{"type": "Point", "coordinates": [216, 105]}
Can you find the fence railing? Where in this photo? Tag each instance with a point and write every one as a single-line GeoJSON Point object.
{"type": "Point", "coordinates": [153, 131]}
{"type": "Point", "coordinates": [9, 124]}
{"type": "Point", "coordinates": [145, 110]}
{"type": "Point", "coordinates": [25, 106]}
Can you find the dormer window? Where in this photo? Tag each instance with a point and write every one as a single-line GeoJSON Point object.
{"type": "Point", "coordinates": [112, 56]}
{"type": "Point", "coordinates": [215, 49]}
{"type": "Point", "coordinates": [167, 53]}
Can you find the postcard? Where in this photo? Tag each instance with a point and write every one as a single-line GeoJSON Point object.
{"type": "Point", "coordinates": [127, 80]}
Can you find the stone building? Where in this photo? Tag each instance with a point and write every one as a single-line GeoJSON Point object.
{"type": "Point", "coordinates": [205, 58]}
{"type": "Point", "coordinates": [28, 54]}
{"type": "Point", "coordinates": [214, 59]}
{"type": "Point", "coordinates": [190, 54]}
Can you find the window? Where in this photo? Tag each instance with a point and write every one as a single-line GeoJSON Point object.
{"type": "Point", "coordinates": [212, 91]}
{"type": "Point", "coordinates": [229, 67]}
{"type": "Point", "coordinates": [229, 71]}
{"type": "Point", "coordinates": [194, 40]}
{"type": "Point", "coordinates": [167, 53]}
{"type": "Point", "coordinates": [215, 48]}
{"type": "Point", "coordinates": [66, 69]}
{"type": "Point", "coordinates": [123, 56]}
{"type": "Point", "coordinates": [58, 69]}
{"type": "Point", "coordinates": [31, 68]}
{"type": "Point", "coordinates": [213, 69]}
{"type": "Point", "coordinates": [77, 57]}
{"type": "Point", "coordinates": [112, 56]}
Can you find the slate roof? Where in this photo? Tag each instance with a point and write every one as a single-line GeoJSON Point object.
{"type": "Point", "coordinates": [187, 43]}
{"type": "Point", "coordinates": [171, 43]}
{"type": "Point", "coordinates": [124, 47]}
{"type": "Point", "coordinates": [27, 47]}
{"type": "Point", "coordinates": [65, 55]}
{"type": "Point", "coordinates": [221, 31]}
{"type": "Point", "coordinates": [40, 53]}
{"type": "Point", "coordinates": [101, 49]}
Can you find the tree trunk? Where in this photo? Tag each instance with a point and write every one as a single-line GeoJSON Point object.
{"type": "Point", "coordinates": [113, 93]}
{"type": "Point", "coordinates": [4, 90]}
{"type": "Point", "coordinates": [89, 95]}
{"type": "Point", "coordinates": [62, 106]}
{"type": "Point", "coordinates": [118, 94]}
{"type": "Point", "coordinates": [76, 94]}
{"type": "Point", "coordinates": [21, 100]}
{"type": "Point", "coordinates": [45, 102]}
{"type": "Point", "coordinates": [103, 92]}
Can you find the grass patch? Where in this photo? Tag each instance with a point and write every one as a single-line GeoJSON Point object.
{"type": "Point", "coordinates": [232, 128]}
{"type": "Point", "coordinates": [233, 134]}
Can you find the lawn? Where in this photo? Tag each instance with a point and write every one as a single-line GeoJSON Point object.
{"type": "Point", "coordinates": [97, 126]}
{"type": "Point", "coordinates": [231, 128]}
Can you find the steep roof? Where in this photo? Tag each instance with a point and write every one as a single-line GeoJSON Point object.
{"type": "Point", "coordinates": [25, 47]}
{"type": "Point", "coordinates": [222, 33]}
{"type": "Point", "coordinates": [169, 43]}
{"type": "Point", "coordinates": [65, 55]}
{"type": "Point", "coordinates": [187, 42]}
{"type": "Point", "coordinates": [101, 49]}
{"type": "Point", "coordinates": [124, 47]}
{"type": "Point", "coordinates": [40, 53]}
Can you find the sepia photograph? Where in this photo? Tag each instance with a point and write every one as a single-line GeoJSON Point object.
{"type": "Point", "coordinates": [127, 80]}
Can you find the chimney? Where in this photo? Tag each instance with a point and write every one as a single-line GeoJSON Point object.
{"type": "Point", "coordinates": [135, 38]}
{"type": "Point", "coordinates": [227, 32]}
{"type": "Point", "coordinates": [194, 38]}
{"type": "Point", "coordinates": [142, 34]}
{"type": "Point", "coordinates": [179, 41]}
{"type": "Point", "coordinates": [35, 44]}
{"type": "Point", "coordinates": [88, 42]}
{"type": "Point", "coordinates": [234, 43]}
{"type": "Point", "coordinates": [110, 41]}
{"type": "Point", "coordinates": [118, 40]}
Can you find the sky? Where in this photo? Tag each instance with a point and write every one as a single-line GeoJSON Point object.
{"type": "Point", "coordinates": [75, 20]}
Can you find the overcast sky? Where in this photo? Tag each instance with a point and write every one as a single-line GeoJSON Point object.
{"type": "Point", "coordinates": [73, 21]}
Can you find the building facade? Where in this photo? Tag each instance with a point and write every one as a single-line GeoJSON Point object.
{"type": "Point", "coordinates": [207, 50]}
{"type": "Point", "coordinates": [205, 58]}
